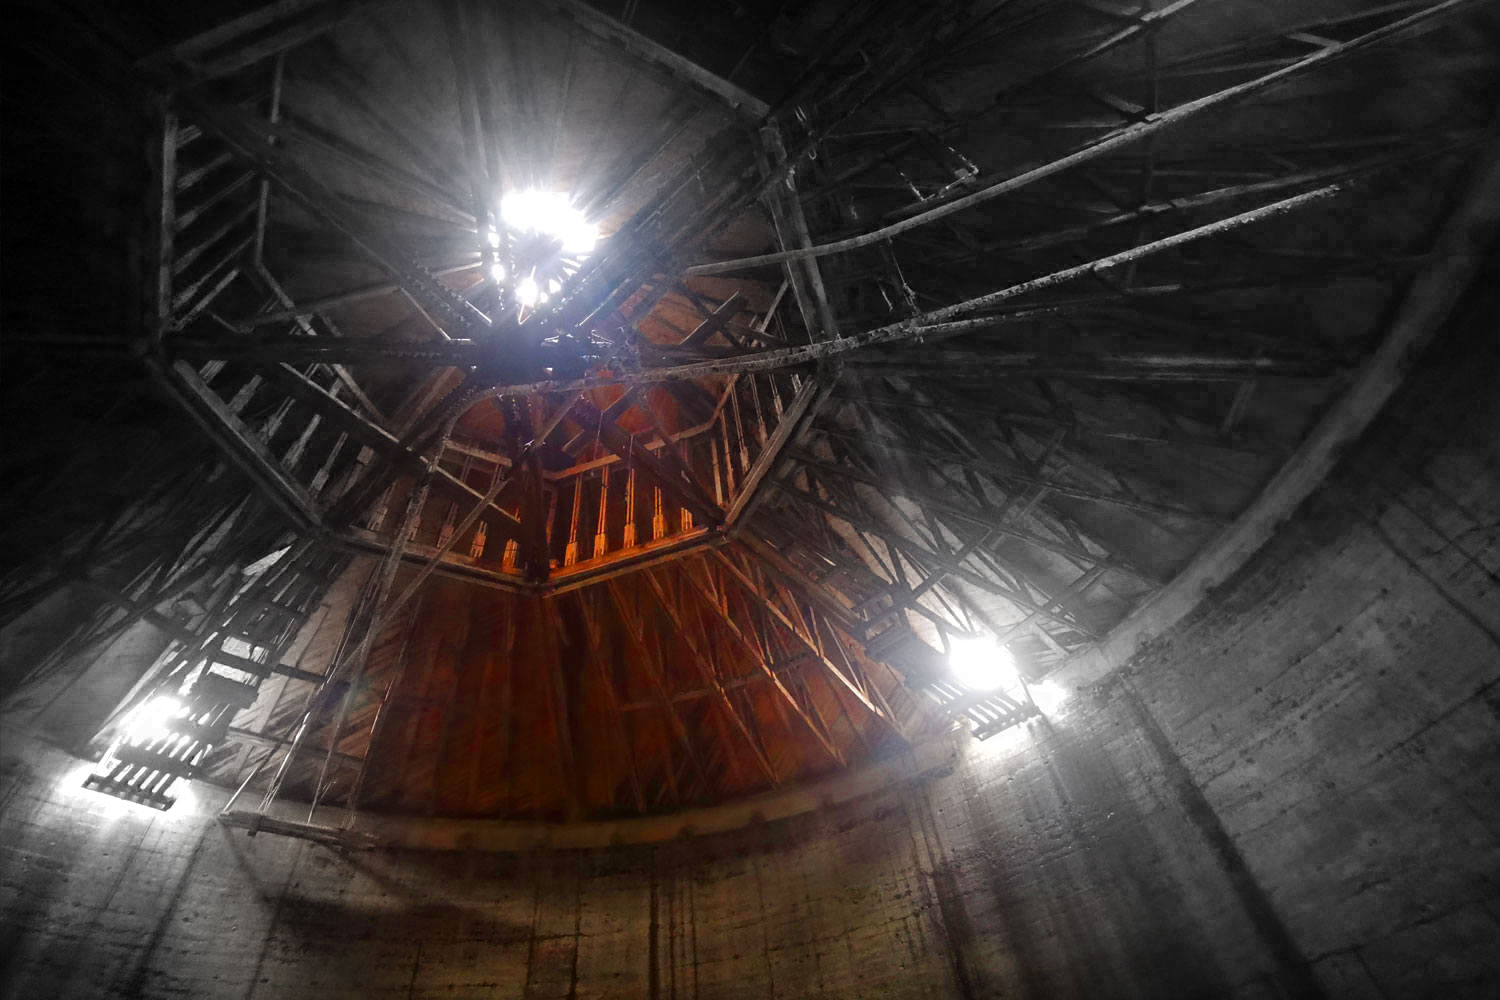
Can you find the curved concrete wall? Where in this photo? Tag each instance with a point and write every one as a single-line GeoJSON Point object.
{"type": "Point", "coordinates": [1293, 792]}
{"type": "Point", "coordinates": [1052, 863]}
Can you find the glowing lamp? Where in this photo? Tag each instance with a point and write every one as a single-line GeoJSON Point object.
{"type": "Point", "coordinates": [981, 664]}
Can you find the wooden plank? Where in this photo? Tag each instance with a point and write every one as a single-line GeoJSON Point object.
{"type": "Point", "coordinates": [647, 662]}
{"type": "Point", "coordinates": [812, 395]}
{"type": "Point", "coordinates": [686, 493]}
{"type": "Point", "coordinates": [763, 664]}
{"type": "Point", "coordinates": [242, 446]}
{"type": "Point", "coordinates": [828, 665]}
{"type": "Point", "coordinates": [700, 661]}
{"type": "Point", "coordinates": [715, 321]}
{"type": "Point", "coordinates": [373, 435]}
{"type": "Point", "coordinates": [606, 685]}
{"type": "Point", "coordinates": [560, 705]}
{"type": "Point", "coordinates": [719, 90]}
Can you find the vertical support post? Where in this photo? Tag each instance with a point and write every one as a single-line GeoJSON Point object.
{"type": "Point", "coordinates": [792, 233]}
{"type": "Point", "coordinates": [630, 508]}
{"type": "Point", "coordinates": [601, 530]}
{"type": "Point", "coordinates": [164, 215]}
{"type": "Point", "coordinates": [378, 611]}
{"type": "Point", "coordinates": [263, 199]}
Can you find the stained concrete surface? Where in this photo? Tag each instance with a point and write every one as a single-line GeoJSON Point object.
{"type": "Point", "coordinates": [1054, 863]}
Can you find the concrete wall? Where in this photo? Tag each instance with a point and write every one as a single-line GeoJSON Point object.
{"type": "Point", "coordinates": [1337, 702]}
{"type": "Point", "coordinates": [1053, 863]}
{"type": "Point", "coordinates": [1295, 791]}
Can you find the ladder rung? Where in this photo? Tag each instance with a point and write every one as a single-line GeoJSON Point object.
{"type": "Point", "coordinates": [218, 688]}
{"type": "Point", "coordinates": [251, 639]}
{"type": "Point", "coordinates": [238, 662]}
{"type": "Point", "coordinates": [120, 790]}
{"type": "Point", "coordinates": [264, 670]}
{"type": "Point", "coordinates": [155, 760]}
{"type": "Point", "coordinates": [211, 734]}
{"type": "Point", "coordinates": [297, 674]}
{"type": "Point", "coordinates": [1015, 718]}
{"type": "Point", "coordinates": [275, 607]}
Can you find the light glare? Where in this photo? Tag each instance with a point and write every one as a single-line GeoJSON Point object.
{"type": "Point", "coordinates": [981, 665]}
{"type": "Point", "coordinates": [152, 720]}
{"type": "Point", "coordinates": [549, 212]}
{"type": "Point", "coordinates": [527, 292]}
{"type": "Point", "coordinates": [1049, 697]}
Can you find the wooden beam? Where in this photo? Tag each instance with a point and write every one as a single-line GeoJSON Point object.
{"type": "Point", "coordinates": [375, 436]}
{"type": "Point", "coordinates": [812, 644]}
{"type": "Point", "coordinates": [502, 480]}
{"type": "Point", "coordinates": [248, 137]}
{"type": "Point", "coordinates": [682, 490]}
{"type": "Point", "coordinates": [706, 84]}
{"type": "Point", "coordinates": [931, 454]}
{"type": "Point", "coordinates": [715, 321]}
{"type": "Point", "coordinates": [804, 274]}
{"type": "Point", "coordinates": [763, 663]}
{"type": "Point", "coordinates": [258, 35]}
{"type": "Point", "coordinates": [930, 557]}
{"type": "Point", "coordinates": [922, 497]}
{"type": "Point", "coordinates": [560, 704]}
{"type": "Point", "coordinates": [242, 445]}
{"type": "Point", "coordinates": [700, 660]}
{"type": "Point", "coordinates": [749, 587]}
{"type": "Point", "coordinates": [647, 661]}
{"type": "Point", "coordinates": [1462, 248]}
{"type": "Point", "coordinates": [606, 685]}
{"type": "Point", "coordinates": [793, 422]}
{"type": "Point", "coordinates": [816, 592]}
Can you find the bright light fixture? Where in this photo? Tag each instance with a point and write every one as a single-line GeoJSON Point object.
{"type": "Point", "coordinates": [979, 664]}
{"type": "Point", "coordinates": [152, 720]}
{"type": "Point", "coordinates": [527, 292]}
{"type": "Point", "coordinates": [550, 213]}
{"type": "Point", "coordinates": [497, 272]}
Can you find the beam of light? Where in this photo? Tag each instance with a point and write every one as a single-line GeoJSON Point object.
{"type": "Point", "coordinates": [1049, 696]}
{"type": "Point", "coordinates": [153, 719]}
{"type": "Point", "coordinates": [527, 292]}
{"type": "Point", "coordinates": [979, 664]}
{"type": "Point", "coordinates": [551, 213]}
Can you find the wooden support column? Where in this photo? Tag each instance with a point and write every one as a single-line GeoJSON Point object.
{"type": "Point", "coordinates": [792, 233]}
